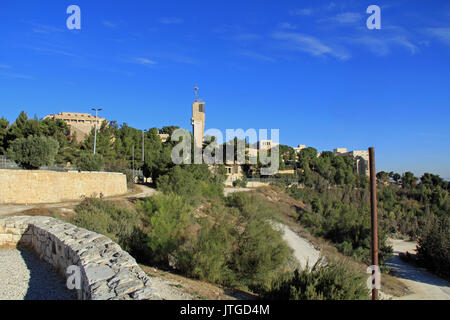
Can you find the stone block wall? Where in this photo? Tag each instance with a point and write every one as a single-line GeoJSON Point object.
{"type": "Point", "coordinates": [107, 271]}
{"type": "Point", "coordinates": [40, 186]}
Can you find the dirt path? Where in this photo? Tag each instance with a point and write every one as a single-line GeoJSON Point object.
{"type": "Point", "coordinates": [142, 191]}
{"type": "Point", "coordinates": [424, 285]}
{"type": "Point", "coordinates": [304, 252]}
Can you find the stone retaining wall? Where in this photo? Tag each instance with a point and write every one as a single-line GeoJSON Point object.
{"type": "Point", "coordinates": [107, 271]}
{"type": "Point", "coordinates": [41, 186]}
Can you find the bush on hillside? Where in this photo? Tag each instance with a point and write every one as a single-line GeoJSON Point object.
{"type": "Point", "coordinates": [90, 162]}
{"type": "Point", "coordinates": [209, 255]}
{"type": "Point", "coordinates": [193, 182]}
{"type": "Point", "coordinates": [105, 218]}
{"type": "Point", "coordinates": [34, 151]}
{"type": "Point", "coordinates": [241, 183]}
{"type": "Point", "coordinates": [333, 281]}
{"type": "Point", "coordinates": [166, 217]}
{"type": "Point", "coordinates": [433, 250]}
{"type": "Point", "coordinates": [261, 255]}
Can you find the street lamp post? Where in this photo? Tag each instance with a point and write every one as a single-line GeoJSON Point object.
{"type": "Point", "coordinates": [95, 135]}
{"type": "Point", "coordinates": [143, 147]}
{"type": "Point", "coordinates": [133, 163]}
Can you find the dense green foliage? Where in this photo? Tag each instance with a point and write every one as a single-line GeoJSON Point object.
{"type": "Point", "coordinates": [105, 218]}
{"type": "Point", "coordinates": [242, 183]}
{"type": "Point", "coordinates": [227, 242]}
{"type": "Point", "coordinates": [434, 246]}
{"type": "Point", "coordinates": [24, 128]}
{"type": "Point", "coordinates": [194, 182]}
{"type": "Point", "coordinates": [33, 152]}
{"type": "Point", "coordinates": [193, 228]}
{"type": "Point", "coordinates": [167, 217]}
{"type": "Point", "coordinates": [327, 170]}
{"type": "Point", "coordinates": [90, 162]}
{"type": "Point", "coordinates": [230, 242]}
{"type": "Point", "coordinates": [333, 281]}
{"type": "Point", "coordinates": [338, 209]}
{"type": "Point", "coordinates": [341, 215]}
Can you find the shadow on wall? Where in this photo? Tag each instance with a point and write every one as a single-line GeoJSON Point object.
{"type": "Point", "coordinates": [44, 283]}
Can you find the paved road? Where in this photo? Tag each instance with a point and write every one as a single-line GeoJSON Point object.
{"type": "Point", "coordinates": [424, 285]}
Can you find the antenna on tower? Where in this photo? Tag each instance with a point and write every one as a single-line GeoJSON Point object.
{"type": "Point", "coordinates": [196, 93]}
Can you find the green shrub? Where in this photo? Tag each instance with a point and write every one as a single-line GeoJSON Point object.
{"type": "Point", "coordinates": [193, 182]}
{"type": "Point", "coordinates": [333, 281]}
{"type": "Point", "coordinates": [342, 215]}
{"type": "Point", "coordinates": [262, 253]}
{"type": "Point", "coordinates": [34, 151]}
{"type": "Point", "coordinates": [242, 183]}
{"type": "Point", "coordinates": [90, 162]}
{"type": "Point", "coordinates": [433, 250]}
{"type": "Point", "coordinates": [210, 254]}
{"type": "Point", "coordinates": [105, 218]}
{"type": "Point", "coordinates": [167, 217]}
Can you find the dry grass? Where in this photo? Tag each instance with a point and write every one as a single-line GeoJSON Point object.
{"type": "Point", "coordinates": [200, 290]}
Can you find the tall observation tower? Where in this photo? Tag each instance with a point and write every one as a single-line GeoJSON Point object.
{"type": "Point", "coordinates": [198, 119]}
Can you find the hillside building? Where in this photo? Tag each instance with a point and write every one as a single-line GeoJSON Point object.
{"type": "Point", "coordinates": [361, 158]}
{"type": "Point", "coordinates": [198, 120]}
{"type": "Point", "coordinates": [80, 124]}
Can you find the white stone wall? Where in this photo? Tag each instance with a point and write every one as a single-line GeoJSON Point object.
{"type": "Point", "coordinates": [41, 186]}
{"type": "Point", "coordinates": [107, 271]}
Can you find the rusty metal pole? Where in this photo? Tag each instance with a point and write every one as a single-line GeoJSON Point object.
{"type": "Point", "coordinates": [374, 216]}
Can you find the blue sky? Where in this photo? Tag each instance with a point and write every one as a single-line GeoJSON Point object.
{"type": "Point", "coordinates": [309, 68]}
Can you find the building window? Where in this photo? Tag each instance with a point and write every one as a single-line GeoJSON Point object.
{"type": "Point", "coordinates": [201, 107]}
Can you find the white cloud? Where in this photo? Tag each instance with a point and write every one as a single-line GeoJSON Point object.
{"type": "Point", "coordinates": [51, 51]}
{"type": "Point", "coordinates": [442, 34]}
{"type": "Point", "coordinates": [310, 11]}
{"type": "Point", "coordinates": [287, 25]}
{"type": "Point", "coordinates": [309, 44]}
{"type": "Point", "coordinates": [348, 17]}
{"type": "Point", "coordinates": [43, 28]}
{"type": "Point", "coordinates": [375, 45]}
{"type": "Point", "coordinates": [109, 24]}
{"type": "Point", "coordinates": [170, 20]}
{"type": "Point", "coordinates": [16, 75]}
{"type": "Point", "coordinates": [246, 37]}
{"type": "Point", "coordinates": [257, 56]}
{"type": "Point", "coordinates": [381, 46]}
{"type": "Point", "coordinates": [403, 41]}
{"type": "Point", "coordinates": [144, 61]}
{"type": "Point", "coordinates": [302, 12]}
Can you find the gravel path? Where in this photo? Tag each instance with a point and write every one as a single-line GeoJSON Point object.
{"type": "Point", "coordinates": [24, 277]}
